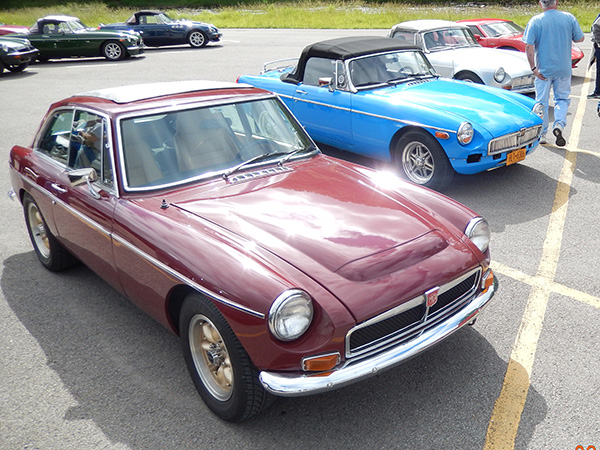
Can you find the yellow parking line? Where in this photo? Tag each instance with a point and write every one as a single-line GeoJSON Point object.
{"type": "Point", "coordinates": [506, 415]}
{"type": "Point", "coordinates": [557, 288]}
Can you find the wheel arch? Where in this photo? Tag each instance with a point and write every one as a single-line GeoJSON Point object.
{"type": "Point", "coordinates": [175, 301]}
{"type": "Point", "coordinates": [468, 74]}
{"type": "Point", "coordinates": [400, 133]}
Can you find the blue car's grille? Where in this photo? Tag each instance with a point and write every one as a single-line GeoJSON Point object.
{"type": "Point", "coordinates": [401, 325]}
{"type": "Point", "coordinates": [515, 140]}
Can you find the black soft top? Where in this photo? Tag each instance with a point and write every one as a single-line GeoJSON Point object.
{"type": "Point", "coordinates": [345, 48]}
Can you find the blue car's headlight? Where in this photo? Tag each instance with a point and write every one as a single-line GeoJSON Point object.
{"type": "Point", "coordinates": [499, 75]}
{"type": "Point", "coordinates": [465, 133]}
{"type": "Point", "coordinates": [290, 315]}
{"type": "Point", "coordinates": [538, 110]}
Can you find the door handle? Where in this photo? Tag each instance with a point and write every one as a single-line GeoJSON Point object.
{"type": "Point", "coordinates": [58, 188]}
{"type": "Point", "coordinates": [300, 91]}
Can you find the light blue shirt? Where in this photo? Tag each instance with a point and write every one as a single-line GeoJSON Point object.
{"type": "Point", "coordinates": [552, 33]}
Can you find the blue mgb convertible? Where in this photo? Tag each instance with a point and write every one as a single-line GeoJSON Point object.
{"type": "Point", "coordinates": [381, 98]}
{"type": "Point", "coordinates": [158, 29]}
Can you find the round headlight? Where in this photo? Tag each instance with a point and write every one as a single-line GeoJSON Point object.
{"type": "Point", "coordinates": [538, 110]}
{"type": "Point", "coordinates": [465, 133]}
{"type": "Point", "coordinates": [478, 230]}
{"type": "Point", "coordinates": [290, 315]}
{"type": "Point", "coordinates": [499, 74]}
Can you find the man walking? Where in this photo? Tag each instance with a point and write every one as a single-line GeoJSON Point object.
{"type": "Point", "coordinates": [595, 57]}
{"type": "Point", "coordinates": [548, 38]}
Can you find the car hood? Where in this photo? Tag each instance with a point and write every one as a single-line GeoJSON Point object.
{"type": "Point", "coordinates": [483, 58]}
{"type": "Point", "coordinates": [371, 249]}
{"type": "Point", "coordinates": [14, 43]}
{"type": "Point", "coordinates": [457, 101]}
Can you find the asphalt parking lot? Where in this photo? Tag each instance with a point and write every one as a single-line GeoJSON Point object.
{"type": "Point", "coordinates": [82, 368]}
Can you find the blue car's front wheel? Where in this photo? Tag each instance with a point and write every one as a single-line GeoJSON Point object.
{"type": "Point", "coordinates": [422, 160]}
{"type": "Point", "coordinates": [197, 39]}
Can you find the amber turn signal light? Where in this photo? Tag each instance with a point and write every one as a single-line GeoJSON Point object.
{"type": "Point", "coordinates": [488, 280]}
{"type": "Point", "coordinates": [321, 362]}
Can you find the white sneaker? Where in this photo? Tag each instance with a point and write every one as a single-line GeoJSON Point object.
{"type": "Point", "coordinates": [543, 140]}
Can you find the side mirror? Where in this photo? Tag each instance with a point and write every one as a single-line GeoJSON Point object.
{"type": "Point", "coordinates": [326, 81]}
{"type": "Point", "coordinates": [85, 175]}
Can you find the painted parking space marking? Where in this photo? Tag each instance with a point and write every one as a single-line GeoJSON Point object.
{"type": "Point", "coordinates": [508, 408]}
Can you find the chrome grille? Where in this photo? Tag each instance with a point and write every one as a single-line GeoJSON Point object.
{"type": "Point", "coordinates": [519, 139]}
{"type": "Point", "coordinates": [412, 318]}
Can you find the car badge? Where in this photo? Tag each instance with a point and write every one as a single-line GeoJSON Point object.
{"type": "Point", "coordinates": [431, 297]}
{"type": "Point", "coordinates": [522, 132]}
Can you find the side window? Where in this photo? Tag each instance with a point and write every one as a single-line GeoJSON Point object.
{"type": "Point", "coordinates": [318, 68]}
{"type": "Point", "coordinates": [475, 30]}
{"type": "Point", "coordinates": [90, 146]}
{"type": "Point", "coordinates": [55, 141]}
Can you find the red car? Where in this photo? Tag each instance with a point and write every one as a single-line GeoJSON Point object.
{"type": "Point", "coordinates": [500, 33]}
{"type": "Point", "coordinates": [284, 271]}
{"type": "Point", "coordinates": [9, 29]}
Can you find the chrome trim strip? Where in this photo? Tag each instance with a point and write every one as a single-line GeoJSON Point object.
{"type": "Point", "coordinates": [66, 206]}
{"type": "Point", "coordinates": [147, 257]}
{"type": "Point", "coordinates": [187, 280]}
{"type": "Point", "coordinates": [377, 116]}
{"type": "Point", "coordinates": [297, 384]}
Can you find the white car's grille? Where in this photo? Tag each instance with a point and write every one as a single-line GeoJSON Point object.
{"type": "Point", "coordinates": [519, 139]}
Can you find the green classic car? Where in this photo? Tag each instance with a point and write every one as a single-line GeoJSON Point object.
{"type": "Point", "coordinates": [67, 37]}
{"type": "Point", "coordinates": [16, 54]}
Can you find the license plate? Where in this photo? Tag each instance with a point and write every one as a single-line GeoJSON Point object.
{"type": "Point", "coordinates": [516, 156]}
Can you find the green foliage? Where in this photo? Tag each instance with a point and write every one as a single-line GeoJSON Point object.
{"type": "Point", "coordinates": [292, 14]}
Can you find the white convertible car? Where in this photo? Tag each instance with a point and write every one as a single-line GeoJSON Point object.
{"type": "Point", "coordinates": [454, 53]}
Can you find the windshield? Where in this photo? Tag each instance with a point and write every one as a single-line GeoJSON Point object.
{"type": "Point", "coordinates": [502, 29]}
{"type": "Point", "coordinates": [449, 38]}
{"type": "Point", "coordinates": [389, 67]}
{"type": "Point", "coordinates": [173, 147]}
{"type": "Point", "coordinates": [76, 25]}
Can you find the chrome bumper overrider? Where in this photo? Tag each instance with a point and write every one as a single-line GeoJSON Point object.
{"type": "Point", "coordinates": [293, 385]}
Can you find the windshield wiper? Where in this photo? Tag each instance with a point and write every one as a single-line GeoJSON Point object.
{"type": "Point", "coordinates": [256, 158]}
{"type": "Point", "coordinates": [310, 148]}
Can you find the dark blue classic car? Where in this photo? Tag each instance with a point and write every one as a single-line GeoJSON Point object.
{"type": "Point", "coordinates": [381, 98]}
{"type": "Point", "coordinates": [159, 29]}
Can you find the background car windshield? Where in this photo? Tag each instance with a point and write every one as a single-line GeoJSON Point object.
{"type": "Point", "coordinates": [387, 67]}
{"type": "Point", "coordinates": [174, 147]}
{"type": "Point", "coordinates": [449, 38]}
{"type": "Point", "coordinates": [502, 29]}
{"type": "Point", "coordinates": [76, 25]}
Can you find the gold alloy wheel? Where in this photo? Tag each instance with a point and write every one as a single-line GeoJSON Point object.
{"type": "Point", "coordinates": [211, 357]}
{"type": "Point", "coordinates": [38, 230]}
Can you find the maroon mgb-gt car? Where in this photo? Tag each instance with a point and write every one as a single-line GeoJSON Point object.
{"type": "Point", "coordinates": [284, 271]}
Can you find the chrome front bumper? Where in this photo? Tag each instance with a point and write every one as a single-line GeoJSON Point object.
{"type": "Point", "coordinates": [294, 384]}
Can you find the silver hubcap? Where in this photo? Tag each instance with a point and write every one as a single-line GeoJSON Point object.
{"type": "Point", "coordinates": [211, 357]}
{"type": "Point", "coordinates": [197, 39]}
{"type": "Point", "coordinates": [418, 163]}
{"type": "Point", "coordinates": [38, 231]}
{"type": "Point", "coordinates": [112, 51]}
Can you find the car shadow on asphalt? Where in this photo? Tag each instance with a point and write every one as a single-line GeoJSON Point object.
{"type": "Point", "coordinates": [127, 375]}
{"type": "Point", "coordinates": [505, 196]}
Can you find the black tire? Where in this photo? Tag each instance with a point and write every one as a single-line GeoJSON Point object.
{"type": "Point", "coordinates": [113, 51]}
{"type": "Point", "coordinates": [469, 76]}
{"type": "Point", "coordinates": [220, 368]}
{"type": "Point", "coordinates": [1, 68]}
{"type": "Point", "coordinates": [197, 39]}
{"type": "Point", "coordinates": [422, 160]}
{"type": "Point", "coordinates": [19, 68]}
{"type": "Point", "coordinates": [50, 252]}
